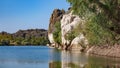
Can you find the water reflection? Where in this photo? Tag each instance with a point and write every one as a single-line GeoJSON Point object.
{"type": "Point", "coordinates": [70, 59]}
{"type": "Point", "coordinates": [67, 59]}
{"type": "Point", "coordinates": [44, 57]}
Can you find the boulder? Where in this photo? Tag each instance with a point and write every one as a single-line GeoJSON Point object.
{"type": "Point", "coordinates": [78, 43]}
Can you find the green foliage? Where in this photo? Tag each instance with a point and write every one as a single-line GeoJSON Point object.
{"type": "Point", "coordinates": [9, 40]}
{"type": "Point", "coordinates": [5, 39]}
{"type": "Point", "coordinates": [109, 9]}
{"type": "Point", "coordinates": [57, 33]}
{"type": "Point", "coordinates": [55, 64]}
{"type": "Point", "coordinates": [72, 34]}
{"type": "Point", "coordinates": [82, 6]}
{"type": "Point", "coordinates": [5, 42]}
{"type": "Point", "coordinates": [102, 20]}
{"type": "Point", "coordinates": [97, 34]}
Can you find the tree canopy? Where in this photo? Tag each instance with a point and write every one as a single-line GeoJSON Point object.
{"type": "Point", "coordinates": [109, 8]}
{"type": "Point", "coordinates": [102, 17]}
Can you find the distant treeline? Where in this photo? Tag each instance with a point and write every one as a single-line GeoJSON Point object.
{"type": "Point", "coordinates": [24, 37]}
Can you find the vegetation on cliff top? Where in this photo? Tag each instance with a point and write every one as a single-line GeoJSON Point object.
{"type": "Point", "coordinates": [24, 37]}
{"type": "Point", "coordinates": [102, 20]}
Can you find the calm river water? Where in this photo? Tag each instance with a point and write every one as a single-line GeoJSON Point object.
{"type": "Point", "coordinates": [44, 57]}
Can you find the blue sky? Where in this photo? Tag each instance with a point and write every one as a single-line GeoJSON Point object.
{"type": "Point", "coordinates": [27, 14]}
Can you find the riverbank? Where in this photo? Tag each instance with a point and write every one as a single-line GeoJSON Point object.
{"type": "Point", "coordinates": [106, 50]}
{"type": "Point", "coordinates": [44, 57]}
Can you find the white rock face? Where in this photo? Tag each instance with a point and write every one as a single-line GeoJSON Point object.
{"type": "Point", "coordinates": [68, 23]}
{"type": "Point", "coordinates": [78, 41]}
{"type": "Point", "coordinates": [51, 39]}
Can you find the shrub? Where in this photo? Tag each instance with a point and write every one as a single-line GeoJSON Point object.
{"type": "Point", "coordinates": [97, 33]}
{"type": "Point", "coordinates": [57, 33]}
{"type": "Point", "coordinates": [102, 22]}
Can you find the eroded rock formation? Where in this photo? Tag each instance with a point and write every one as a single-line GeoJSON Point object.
{"type": "Point", "coordinates": [68, 23]}
{"type": "Point", "coordinates": [55, 18]}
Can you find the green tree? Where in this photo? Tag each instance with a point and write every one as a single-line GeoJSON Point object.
{"type": "Point", "coordinates": [5, 42]}
{"type": "Point", "coordinates": [102, 20]}
{"type": "Point", "coordinates": [110, 9]}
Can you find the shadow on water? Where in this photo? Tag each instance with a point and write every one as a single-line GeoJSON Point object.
{"type": "Point", "coordinates": [67, 59]}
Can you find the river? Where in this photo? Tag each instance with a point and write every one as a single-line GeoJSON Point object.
{"type": "Point", "coordinates": [45, 57]}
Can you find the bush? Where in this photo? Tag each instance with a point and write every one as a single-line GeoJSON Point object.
{"type": "Point", "coordinates": [71, 35]}
{"type": "Point", "coordinates": [102, 22]}
{"type": "Point", "coordinates": [75, 32]}
{"type": "Point", "coordinates": [5, 42]}
{"type": "Point", "coordinates": [57, 33]}
{"type": "Point", "coordinates": [97, 33]}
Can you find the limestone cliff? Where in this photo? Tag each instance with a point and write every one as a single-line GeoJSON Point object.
{"type": "Point", "coordinates": [55, 17]}
{"type": "Point", "coordinates": [68, 23]}
{"type": "Point", "coordinates": [73, 36]}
